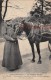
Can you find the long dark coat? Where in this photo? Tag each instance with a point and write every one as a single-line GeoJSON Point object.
{"type": "Point", "coordinates": [12, 57]}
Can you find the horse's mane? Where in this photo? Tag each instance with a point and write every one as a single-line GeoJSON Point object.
{"type": "Point", "coordinates": [28, 25]}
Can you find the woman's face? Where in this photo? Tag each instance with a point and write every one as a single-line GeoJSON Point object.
{"type": "Point", "coordinates": [9, 23]}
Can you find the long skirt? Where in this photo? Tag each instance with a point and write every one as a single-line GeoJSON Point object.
{"type": "Point", "coordinates": [12, 57]}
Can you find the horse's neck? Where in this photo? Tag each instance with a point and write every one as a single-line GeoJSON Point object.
{"type": "Point", "coordinates": [26, 29]}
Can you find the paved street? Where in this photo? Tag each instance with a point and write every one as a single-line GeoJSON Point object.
{"type": "Point", "coordinates": [28, 67]}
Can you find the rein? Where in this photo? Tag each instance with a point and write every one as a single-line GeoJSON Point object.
{"type": "Point", "coordinates": [35, 34]}
{"type": "Point", "coordinates": [41, 35]}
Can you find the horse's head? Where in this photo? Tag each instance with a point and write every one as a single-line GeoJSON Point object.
{"type": "Point", "coordinates": [24, 26]}
{"type": "Point", "coordinates": [19, 28]}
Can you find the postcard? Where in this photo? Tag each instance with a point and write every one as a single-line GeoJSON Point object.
{"type": "Point", "coordinates": [25, 39]}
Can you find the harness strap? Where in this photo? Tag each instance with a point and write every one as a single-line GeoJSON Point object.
{"type": "Point", "coordinates": [41, 35]}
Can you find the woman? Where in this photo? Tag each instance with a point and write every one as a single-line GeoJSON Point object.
{"type": "Point", "coordinates": [12, 58]}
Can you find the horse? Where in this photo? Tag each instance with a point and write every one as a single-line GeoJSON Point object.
{"type": "Point", "coordinates": [34, 37]}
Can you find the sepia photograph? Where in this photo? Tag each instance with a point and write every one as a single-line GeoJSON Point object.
{"type": "Point", "coordinates": [25, 39]}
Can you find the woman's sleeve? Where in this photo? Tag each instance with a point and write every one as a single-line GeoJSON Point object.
{"type": "Point", "coordinates": [4, 33]}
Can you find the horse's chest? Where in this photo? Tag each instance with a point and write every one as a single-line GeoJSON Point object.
{"type": "Point", "coordinates": [36, 31]}
{"type": "Point", "coordinates": [34, 36]}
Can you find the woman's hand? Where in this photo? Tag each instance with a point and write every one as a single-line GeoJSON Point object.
{"type": "Point", "coordinates": [12, 39]}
